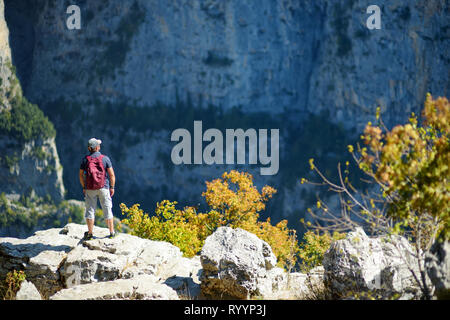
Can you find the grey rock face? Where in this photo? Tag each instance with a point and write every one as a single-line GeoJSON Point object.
{"type": "Point", "coordinates": [122, 257]}
{"type": "Point", "coordinates": [264, 56]}
{"type": "Point", "coordinates": [362, 264]}
{"type": "Point", "coordinates": [28, 291]}
{"type": "Point", "coordinates": [235, 264]}
{"type": "Point", "coordinates": [437, 263]}
{"type": "Point", "coordinates": [34, 165]}
{"type": "Point", "coordinates": [40, 256]}
{"type": "Point", "coordinates": [5, 60]}
{"type": "Point", "coordinates": [41, 174]}
{"type": "Point", "coordinates": [238, 265]}
{"type": "Point", "coordinates": [358, 69]}
{"type": "Point", "coordinates": [59, 258]}
{"type": "Point", "coordinates": [144, 287]}
{"type": "Point", "coordinates": [185, 277]}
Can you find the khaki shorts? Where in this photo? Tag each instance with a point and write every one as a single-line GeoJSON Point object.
{"type": "Point", "coordinates": [90, 200]}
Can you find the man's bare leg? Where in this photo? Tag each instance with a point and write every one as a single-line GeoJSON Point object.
{"type": "Point", "coordinates": [90, 225]}
{"type": "Point", "coordinates": [110, 223]}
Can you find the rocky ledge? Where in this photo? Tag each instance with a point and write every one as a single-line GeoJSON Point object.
{"type": "Point", "coordinates": [233, 264]}
{"type": "Point", "coordinates": [62, 265]}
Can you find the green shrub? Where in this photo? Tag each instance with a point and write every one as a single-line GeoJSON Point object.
{"type": "Point", "coordinates": [183, 228]}
{"type": "Point", "coordinates": [12, 284]}
{"type": "Point", "coordinates": [313, 247]}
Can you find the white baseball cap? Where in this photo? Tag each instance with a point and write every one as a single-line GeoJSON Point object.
{"type": "Point", "coordinates": [94, 142]}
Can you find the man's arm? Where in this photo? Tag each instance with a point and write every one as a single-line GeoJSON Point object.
{"type": "Point", "coordinates": [81, 175]}
{"type": "Point", "coordinates": [112, 180]}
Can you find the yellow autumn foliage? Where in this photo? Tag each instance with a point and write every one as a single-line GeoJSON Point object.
{"type": "Point", "coordinates": [233, 201]}
{"type": "Point", "coordinates": [411, 163]}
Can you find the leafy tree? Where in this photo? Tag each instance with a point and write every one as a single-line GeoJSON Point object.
{"type": "Point", "coordinates": [409, 191]}
{"type": "Point", "coordinates": [412, 165]}
{"type": "Point", "coordinates": [236, 198]}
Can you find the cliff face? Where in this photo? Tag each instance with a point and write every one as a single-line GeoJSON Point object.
{"type": "Point", "coordinates": [299, 55]}
{"type": "Point", "coordinates": [226, 53]}
{"type": "Point", "coordinates": [28, 160]}
{"type": "Point", "coordinates": [358, 69]}
{"type": "Point", "coordinates": [131, 61]}
{"type": "Point", "coordinates": [5, 57]}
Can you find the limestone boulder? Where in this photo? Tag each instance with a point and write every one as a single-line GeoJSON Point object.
{"type": "Point", "coordinates": [437, 264]}
{"type": "Point", "coordinates": [28, 291]}
{"type": "Point", "coordinates": [144, 287]}
{"type": "Point", "coordinates": [60, 258]}
{"type": "Point", "coordinates": [380, 266]}
{"type": "Point", "coordinates": [236, 264]}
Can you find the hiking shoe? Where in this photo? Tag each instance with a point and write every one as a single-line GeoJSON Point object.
{"type": "Point", "coordinates": [88, 236]}
{"type": "Point", "coordinates": [112, 235]}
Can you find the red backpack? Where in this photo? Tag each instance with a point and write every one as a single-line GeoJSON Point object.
{"type": "Point", "coordinates": [95, 173]}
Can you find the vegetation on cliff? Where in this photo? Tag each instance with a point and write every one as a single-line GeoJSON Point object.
{"type": "Point", "coordinates": [20, 122]}
{"type": "Point", "coordinates": [29, 213]}
{"type": "Point", "coordinates": [23, 121]}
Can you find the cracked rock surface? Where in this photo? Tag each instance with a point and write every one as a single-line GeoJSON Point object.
{"type": "Point", "coordinates": [59, 258]}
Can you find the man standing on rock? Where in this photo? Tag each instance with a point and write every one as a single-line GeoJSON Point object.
{"type": "Point", "coordinates": [94, 171]}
